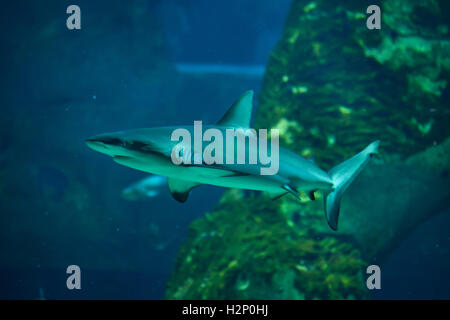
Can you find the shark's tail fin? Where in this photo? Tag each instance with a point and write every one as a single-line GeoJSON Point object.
{"type": "Point", "coordinates": [343, 175]}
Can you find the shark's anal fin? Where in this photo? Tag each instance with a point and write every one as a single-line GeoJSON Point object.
{"type": "Point", "coordinates": [291, 190]}
{"type": "Point", "coordinates": [240, 113]}
{"type": "Point", "coordinates": [277, 195]}
{"type": "Point", "coordinates": [180, 188]}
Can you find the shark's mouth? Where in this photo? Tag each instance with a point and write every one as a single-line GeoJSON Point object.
{"type": "Point", "coordinates": [120, 157]}
{"type": "Point", "coordinates": [123, 160]}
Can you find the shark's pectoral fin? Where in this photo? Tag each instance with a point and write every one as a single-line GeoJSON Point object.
{"type": "Point", "coordinates": [180, 188]}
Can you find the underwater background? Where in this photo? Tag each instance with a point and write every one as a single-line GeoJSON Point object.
{"type": "Point", "coordinates": [329, 84]}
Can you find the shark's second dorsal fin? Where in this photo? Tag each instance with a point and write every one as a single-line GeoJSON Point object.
{"type": "Point", "coordinates": [180, 188]}
{"type": "Point", "coordinates": [240, 113]}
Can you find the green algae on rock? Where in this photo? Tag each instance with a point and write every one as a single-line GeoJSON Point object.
{"type": "Point", "coordinates": [249, 249]}
{"type": "Point", "coordinates": [344, 85]}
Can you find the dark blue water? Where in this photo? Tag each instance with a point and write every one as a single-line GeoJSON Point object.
{"type": "Point", "coordinates": [61, 202]}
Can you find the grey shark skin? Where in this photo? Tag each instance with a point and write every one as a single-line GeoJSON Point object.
{"type": "Point", "coordinates": [149, 150]}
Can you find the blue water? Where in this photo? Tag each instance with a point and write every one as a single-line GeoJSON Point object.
{"type": "Point", "coordinates": [60, 87]}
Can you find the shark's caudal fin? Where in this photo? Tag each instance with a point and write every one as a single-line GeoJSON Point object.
{"type": "Point", "coordinates": [342, 176]}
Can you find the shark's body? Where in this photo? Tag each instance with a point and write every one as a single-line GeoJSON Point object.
{"type": "Point", "coordinates": [148, 187]}
{"type": "Point", "coordinates": [150, 150]}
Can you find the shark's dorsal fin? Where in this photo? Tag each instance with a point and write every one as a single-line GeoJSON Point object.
{"type": "Point", "coordinates": [240, 113]}
{"type": "Point", "coordinates": [180, 188]}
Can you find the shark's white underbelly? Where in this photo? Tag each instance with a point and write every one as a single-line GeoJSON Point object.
{"type": "Point", "coordinates": [205, 175]}
{"type": "Point", "coordinates": [230, 180]}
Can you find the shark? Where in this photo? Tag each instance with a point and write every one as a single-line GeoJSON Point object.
{"type": "Point", "coordinates": [150, 150]}
{"type": "Point", "coordinates": [148, 187]}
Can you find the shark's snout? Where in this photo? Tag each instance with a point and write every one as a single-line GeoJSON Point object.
{"type": "Point", "coordinates": [105, 143]}
{"type": "Point", "coordinates": [107, 139]}
{"type": "Point", "coordinates": [97, 145]}
{"type": "Point", "coordinates": [119, 144]}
